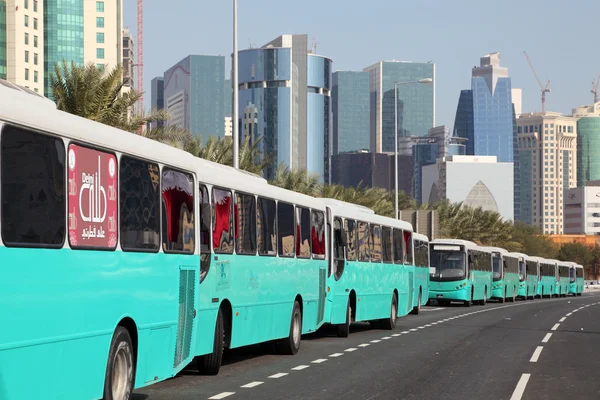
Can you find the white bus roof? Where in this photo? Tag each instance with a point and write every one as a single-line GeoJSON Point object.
{"type": "Point", "coordinates": [24, 93]}
{"type": "Point", "coordinates": [460, 242]}
{"type": "Point", "coordinates": [496, 249]}
{"type": "Point", "coordinates": [343, 204]}
{"type": "Point", "coordinates": [420, 236]}
{"type": "Point", "coordinates": [515, 254]}
{"type": "Point", "coordinates": [346, 210]}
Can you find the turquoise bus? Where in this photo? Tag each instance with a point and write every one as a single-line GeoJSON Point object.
{"type": "Point", "coordinates": [576, 279]}
{"type": "Point", "coordinates": [421, 251]}
{"type": "Point", "coordinates": [140, 257]}
{"type": "Point", "coordinates": [460, 271]}
{"type": "Point", "coordinates": [528, 276]}
{"type": "Point", "coordinates": [506, 275]}
{"type": "Point", "coordinates": [562, 278]}
{"type": "Point", "coordinates": [547, 282]}
{"type": "Point", "coordinates": [373, 273]}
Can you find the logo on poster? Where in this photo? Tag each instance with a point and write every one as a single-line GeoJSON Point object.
{"type": "Point", "coordinates": [97, 205]}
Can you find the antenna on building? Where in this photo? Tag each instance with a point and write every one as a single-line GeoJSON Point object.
{"type": "Point", "coordinates": [594, 90]}
{"type": "Point", "coordinates": [313, 47]}
{"type": "Point", "coordinates": [251, 44]}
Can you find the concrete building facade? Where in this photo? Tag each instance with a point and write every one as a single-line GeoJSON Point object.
{"type": "Point", "coordinates": [588, 143]}
{"type": "Point", "coordinates": [582, 209]}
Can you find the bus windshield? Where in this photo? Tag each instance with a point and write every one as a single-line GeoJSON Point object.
{"type": "Point", "coordinates": [497, 263]}
{"type": "Point", "coordinates": [522, 271]}
{"type": "Point", "coordinates": [572, 274]}
{"type": "Point", "coordinates": [447, 265]}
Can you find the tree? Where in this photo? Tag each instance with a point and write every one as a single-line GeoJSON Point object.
{"type": "Point", "coordinates": [576, 252]}
{"type": "Point", "coordinates": [297, 180]}
{"type": "Point", "coordinates": [98, 95]}
{"type": "Point", "coordinates": [220, 150]}
{"type": "Point", "coordinates": [532, 242]}
{"type": "Point", "coordinates": [377, 199]}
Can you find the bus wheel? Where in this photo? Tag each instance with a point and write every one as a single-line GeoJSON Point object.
{"type": "Point", "coordinates": [469, 303]}
{"type": "Point", "coordinates": [390, 323]}
{"type": "Point", "coordinates": [118, 382]}
{"type": "Point", "coordinates": [291, 344]}
{"type": "Point", "coordinates": [343, 330]}
{"type": "Point", "coordinates": [417, 309]}
{"type": "Point", "coordinates": [211, 363]}
{"type": "Point", "coordinates": [484, 300]}
{"type": "Point", "coordinates": [503, 299]}
{"type": "Point", "coordinates": [514, 296]}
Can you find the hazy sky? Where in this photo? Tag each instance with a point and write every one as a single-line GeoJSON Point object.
{"type": "Point", "coordinates": [559, 36]}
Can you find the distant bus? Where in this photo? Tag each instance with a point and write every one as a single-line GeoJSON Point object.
{"type": "Point", "coordinates": [547, 282]}
{"type": "Point", "coordinates": [373, 274]}
{"type": "Point", "coordinates": [460, 271]}
{"type": "Point", "coordinates": [576, 279]}
{"type": "Point", "coordinates": [528, 276]}
{"type": "Point", "coordinates": [562, 278]}
{"type": "Point", "coordinates": [421, 284]}
{"type": "Point", "coordinates": [506, 275]}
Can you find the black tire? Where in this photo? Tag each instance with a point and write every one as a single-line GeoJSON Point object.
{"type": "Point", "coordinates": [502, 299]}
{"type": "Point", "coordinates": [343, 330]}
{"type": "Point", "coordinates": [514, 296]}
{"type": "Point", "coordinates": [469, 303]}
{"type": "Point", "coordinates": [120, 369]}
{"type": "Point", "coordinates": [417, 309]}
{"type": "Point", "coordinates": [390, 322]}
{"type": "Point", "coordinates": [484, 301]}
{"type": "Point", "coordinates": [211, 363]}
{"type": "Point", "coordinates": [291, 344]}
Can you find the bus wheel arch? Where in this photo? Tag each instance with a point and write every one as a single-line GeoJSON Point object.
{"type": "Point", "coordinates": [352, 300]}
{"type": "Point", "coordinates": [227, 310]}
{"type": "Point", "coordinates": [119, 380]}
{"type": "Point", "coordinates": [291, 344]}
{"type": "Point", "coordinates": [343, 329]}
{"type": "Point", "coordinates": [417, 309]}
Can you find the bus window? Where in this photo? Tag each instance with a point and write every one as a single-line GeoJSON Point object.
{"type": "Point", "coordinates": [318, 235]}
{"type": "Point", "coordinates": [139, 202]}
{"type": "Point", "coordinates": [350, 227]}
{"type": "Point", "coordinates": [205, 212]}
{"type": "Point", "coordinates": [33, 189]}
{"type": "Point", "coordinates": [408, 245]}
{"type": "Point", "coordinates": [302, 232]}
{"type": "Point", "coordinates": [338, 247]}
{"type": "Point", "coordinates": [93, 199]}
{"type": "Point", "coordinates": [363, 241]}
{"type": "Point", "coordinates": [285, 229]}
{"type": "Point", "coordinates": [265, 225]}
{"type": "Point", "coordinates": [222, 221]}
{"type": "Point", "coordinates": [375, 243]}
{"type": "Point", "coordinates": [398, 239]}
{"type": "Point", "coordinates": [387, 244]}
{"type": "Point", "coordinates": [245, 232]}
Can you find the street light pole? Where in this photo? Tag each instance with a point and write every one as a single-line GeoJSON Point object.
{"type": "Point", "coordinates": [426, 80]}
{"type": "Point", "coordinates": [235, 116]}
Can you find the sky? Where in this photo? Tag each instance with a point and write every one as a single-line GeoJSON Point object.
{"type": "Point", "coordinates": [560, 38]}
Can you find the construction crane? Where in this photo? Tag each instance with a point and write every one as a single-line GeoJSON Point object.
{"type": "Point", "coordinates": [544, 89]}
{"type": "Point", "coordinates": [594, 90]}
{"type": "Point", "coordinates": [140, 55]}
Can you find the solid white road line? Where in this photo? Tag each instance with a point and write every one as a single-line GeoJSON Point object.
{"type": "Point", "coordinates": [221, 395]}
{"type": "Point", "coordinates": [251, 385]}
{"type": "Point", "coordinates": [520, 389]}
{"type": "Point", "coordinates": [546, 338]}
{"type": "Point", "coordinates": [536, 354]}
{"type": "Point", "coordinates": [555, 327]}
{"type": "Point", "coordinates": [278, 375]}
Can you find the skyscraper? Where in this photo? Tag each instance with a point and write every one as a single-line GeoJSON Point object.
{"type": "Point", "coordinates": [588, 143]}
{"type": "Point", "coordinates": [128, 59]}
{"type": "Point", "coordinates": [285, 99]}
{"type": "Point", "coordinates": [157, 98]}
{"type": "Point", "coordinates": [193, 95]}
{"type": "Point", "coordinates": [416, 102]}
{"type": "Point", "coordinates": [350, 111]}
{"type": "Point", "coordinates": [547, 152]}
{"type": "Point", "coordinates": [2, 39]}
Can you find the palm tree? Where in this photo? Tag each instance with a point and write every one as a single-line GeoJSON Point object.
{"type": "Point", "coordinates": [377, 199]}
{"type": "Point", "coordinates": [297, 180]}
{"type": "Point", "coordinates": [97, 95]}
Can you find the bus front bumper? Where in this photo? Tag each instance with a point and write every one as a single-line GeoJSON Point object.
{"type": "Point", "coordinates": [460, 294]}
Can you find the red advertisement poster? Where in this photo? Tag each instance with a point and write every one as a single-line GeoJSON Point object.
{"type": "Point", "coordinates": [92, 198]}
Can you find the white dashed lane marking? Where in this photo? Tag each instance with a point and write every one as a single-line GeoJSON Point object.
{"type": "Point", "coordinates": [555, 327]}
{"type": "Point", "coordinates": [300, 367]}
{"type": "Point", "coordinates": [536, 354]}
{"type": "Point", "coordinates": [221, 395]}
{"type": "Point", "coordinates": [278, 375]}
{"type": "Point", "coordinates": [336, 355]}
{"type": "Point", "coordinates": [319, 361]}
{"type": "Point", "coordinates": [520, 389]}
{"type": "Point", "coordinates": [546, 338]}
{"type": "Point", "coordinates": [251, 385]}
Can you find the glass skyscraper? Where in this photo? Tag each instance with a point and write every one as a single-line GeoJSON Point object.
{"type": "Point", "coordinates": [227, 98]}
{"type": "Point", "coordinates": [157, 98]}
{"type": "Point", "coordinates": [416, 102]}
{"type": "Point", "coordinates": [285, 100]}
{"type": "Point", "coordinates": [63, 36]}
{"type": "Point", "coordinates": [350, 111]}
{"type": "Point", "coordinates": [2, 39]}
{"type": "Point", "coordinates": [193, 95]}
{"type": "Point", "coordinates": [588, 144]}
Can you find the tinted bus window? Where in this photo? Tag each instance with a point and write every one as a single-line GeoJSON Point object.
{"type": "Point", "coordinates": [375, 243]}
{"type": "Point", "coordinates": [205, 219]}
{"type": "Point", "coordinates": [350, 227]}
{"type": "Point", "coordinates": [223, 221]}
{"type": "Point", "coordinates": [386, 244]}
{"type": "Point", "coordinates": [318, 234]}
{"type": "Point", "coordinates": [408, 245]}
{"type": "Point", "coordinates": [245, 227]}
{"type": "Point", "coordinates": [33, 189]}
{"type": "Point", "coordinates": [398, 239]}
{"type": "Point", "coordinates": [363, 241]}
{"type": "Point", "coordinates": [178, 212]}
{"type": "Point", "coordinates": [140, 205]}
{"type": "Point", "coordinates": [265, 225]}
{"type": "Point", "coordinates": [302, 232]}
{"type": "Point", "coordinates": [285, 229]}
{"type": "Point", "coordinates": [92, 198]}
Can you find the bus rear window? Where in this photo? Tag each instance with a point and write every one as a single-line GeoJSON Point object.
{"type": "Point", "coordinates": [92, 198]}
{"type": "Point", "coordinates": [318, 234]}
{"type": "Point", "coordinates": [33, 189]}
{"type": "Point", "coordinates": [178, 212]}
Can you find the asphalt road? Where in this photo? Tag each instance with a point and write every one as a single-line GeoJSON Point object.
{"type": "Point", "coordinates": [542, 349]}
